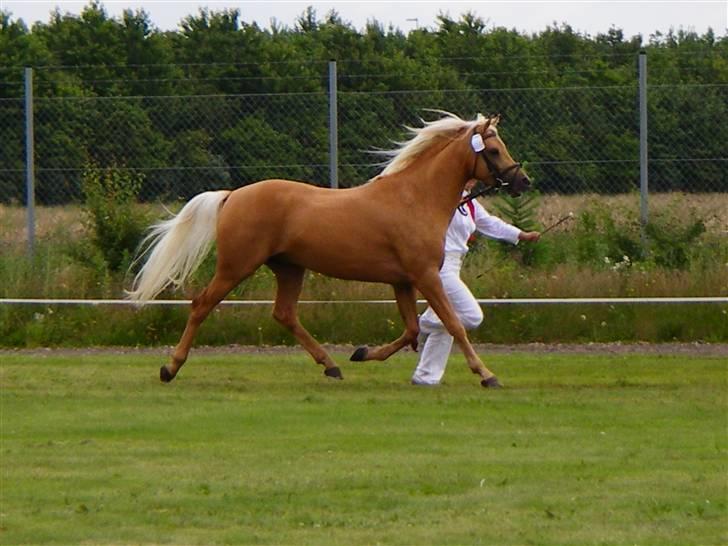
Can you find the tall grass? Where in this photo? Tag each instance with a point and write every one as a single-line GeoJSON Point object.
{"type": "Point", "coordinates": [582, 258]}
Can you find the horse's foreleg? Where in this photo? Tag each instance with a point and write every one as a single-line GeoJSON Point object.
{"type": "Point", "coordinates": [205, 302]}
{"type": "Point", "coordinates": [407, 305]}
{"type": "Point", "coordinates": [431, 287]}
{"type": "Point", "coordinates": [290, 281]}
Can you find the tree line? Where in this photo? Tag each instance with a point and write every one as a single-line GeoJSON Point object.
{"type": "Point", "coordinates": [222, 102]}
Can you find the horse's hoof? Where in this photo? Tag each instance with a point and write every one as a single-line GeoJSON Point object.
{"type": "Point", "coordinates": [359, 355]}
{"type": "Point", "coordinates": [491, 383]}
{"type": "Point", "coordinates": [334, 373]}
{"type": "Point", "coordinates": [164, 375]}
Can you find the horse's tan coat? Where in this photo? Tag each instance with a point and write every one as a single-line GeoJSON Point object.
{"type": "Point", "coordinates": [389, 230]}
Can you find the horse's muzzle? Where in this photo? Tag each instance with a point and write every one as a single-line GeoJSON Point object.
{"type": "Point", "coordinates": [519, 184]}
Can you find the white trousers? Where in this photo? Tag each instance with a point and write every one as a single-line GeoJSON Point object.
{"type": "Point", "coordinates": [438, 343]}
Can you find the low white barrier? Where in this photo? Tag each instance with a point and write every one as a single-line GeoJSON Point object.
{"type": "Point", "coordinates": [485, 301]}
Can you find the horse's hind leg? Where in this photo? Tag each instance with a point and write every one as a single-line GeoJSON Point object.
{"type": "Point", "coordinates": [407, 305]}
{"type": "Point", "coordinates": [290, 281]}
{"type": "Point", "coordinates": [205, 302]}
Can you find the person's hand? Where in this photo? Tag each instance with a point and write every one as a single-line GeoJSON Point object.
{"type": "Point", "coordinates": [532, 236]}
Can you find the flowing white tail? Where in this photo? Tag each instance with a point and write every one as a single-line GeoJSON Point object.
{"type": "Point", "coordinates": [177, 246]}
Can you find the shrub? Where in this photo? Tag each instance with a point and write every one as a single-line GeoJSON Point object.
{"type": "Point", "coordinates": [111, 217]}
{"type": "Point", "coordinates": [672, 236]}
{"type": "Point", "coordinates": [672, 239]}
{"type": "Point", "coordinates": [522, 212]}
{"type": "Point", "coordinates": [600, 239]}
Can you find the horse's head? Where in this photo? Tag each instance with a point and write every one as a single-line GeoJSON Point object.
{"type": "Point", "coordinates": [494, 165]}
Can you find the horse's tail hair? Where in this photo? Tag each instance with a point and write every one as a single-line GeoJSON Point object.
{"type": "Point", "coordinates": [176, 247]}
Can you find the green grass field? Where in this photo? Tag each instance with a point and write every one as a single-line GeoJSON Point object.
{"type": "Point", "coordinates": [262, 449]}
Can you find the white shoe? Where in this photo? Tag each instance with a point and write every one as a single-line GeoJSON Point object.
{"type": "Point", "coordinates": [419, 383]}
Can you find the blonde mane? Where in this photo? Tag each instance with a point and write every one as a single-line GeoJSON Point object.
{"type": "Point", "coordinates": [423, 137]}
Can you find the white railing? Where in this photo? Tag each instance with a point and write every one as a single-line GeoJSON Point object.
{"type": "Point", "coordinates": [482, 301]}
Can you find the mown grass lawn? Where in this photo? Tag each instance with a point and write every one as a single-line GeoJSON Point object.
{"type": "Point", "coordinates": [579, 449]}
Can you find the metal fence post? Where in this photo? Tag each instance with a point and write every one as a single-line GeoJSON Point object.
{"type": "Point", "coordinates": [333, 128]}
{"type": "Point", "coordinates": [29, 160]}
{"type": "Point", "coordinates": [643, 147]}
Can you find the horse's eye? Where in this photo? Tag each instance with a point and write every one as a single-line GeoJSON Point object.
{"type": "Point", "coordinates": [494, 151]}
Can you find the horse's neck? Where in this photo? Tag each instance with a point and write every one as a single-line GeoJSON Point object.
{"type": "Point", "coordinates": [439, 182]}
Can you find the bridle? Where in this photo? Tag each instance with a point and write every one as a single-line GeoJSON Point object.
{"type": "Point", "coordinates": [498, 175]}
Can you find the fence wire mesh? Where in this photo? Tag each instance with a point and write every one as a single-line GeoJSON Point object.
{"type": "Point", "coordinates": [572, 139]}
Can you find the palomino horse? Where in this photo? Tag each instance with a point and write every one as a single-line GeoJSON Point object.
{"type": "Point", "coordinates": [389, 230]}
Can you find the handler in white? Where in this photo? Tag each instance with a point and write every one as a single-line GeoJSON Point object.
{"type": "Point", "coordinates": [467, 219]}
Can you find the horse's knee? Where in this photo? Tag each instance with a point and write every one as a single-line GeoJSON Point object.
{"type": "Point", "coordinates": [286, 317]}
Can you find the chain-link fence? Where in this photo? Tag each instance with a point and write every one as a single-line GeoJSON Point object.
{"type": "Point", "coordinates": [572, 139]}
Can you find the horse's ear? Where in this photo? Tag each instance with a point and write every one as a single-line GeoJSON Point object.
{"type": "Point", "coordinates": [496, 119]}
{"type": "Point", "coordinates": [486, 124]}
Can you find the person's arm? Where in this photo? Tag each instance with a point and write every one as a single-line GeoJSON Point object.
{"type": "Point", "coordinates": [495, 228]}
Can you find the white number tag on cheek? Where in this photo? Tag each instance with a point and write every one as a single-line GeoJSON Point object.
{"type": "Point", "coordinates": [477, 142]}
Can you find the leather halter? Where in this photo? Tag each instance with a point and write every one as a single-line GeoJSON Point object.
{"type": "Point", "coordinates": [497, 174]}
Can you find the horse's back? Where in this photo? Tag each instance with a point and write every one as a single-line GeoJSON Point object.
{"type": "Point", "coordinates": [287, 202]}
{"type": "Point", "coordinates": [279, 193]}
{"type": "Point", "coordinates": [326, 230]}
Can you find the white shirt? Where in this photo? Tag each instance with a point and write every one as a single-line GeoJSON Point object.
{"type": "Point", "coordinates": [462, 226]}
